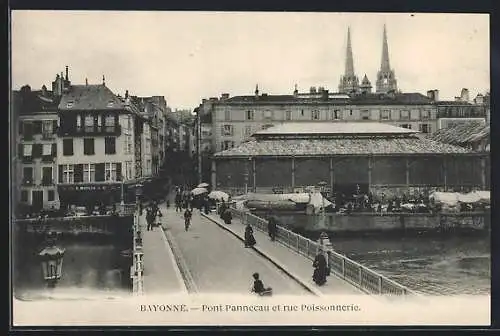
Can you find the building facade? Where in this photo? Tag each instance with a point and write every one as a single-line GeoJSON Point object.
{"type": "Point", "coordinates": [105, 146]}
{"type": "Point", "coordinates": [35, 166]}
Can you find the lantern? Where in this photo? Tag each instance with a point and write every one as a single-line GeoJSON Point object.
{"type": "Point", "coordinates": [52, 258]}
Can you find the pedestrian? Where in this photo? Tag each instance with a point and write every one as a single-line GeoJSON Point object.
{"type": "Point", "coordinates": [158, 216]}
{"type": "Point", "coordinates": [272, 227]}
{"type": "Point", "coordinates": [187, 218]}
{"type": "Point", "coordinates": [249, 238]}
{"type": "Point", "coordinates": [258, 286]}
{"type": "Point", "coordinates": [320, 269]}
{"type": "Point", "coordinates": [149, 219]}
{"type": "Point", "coordinates": [178, 202]}
{"type": "Point", "coordinates": [227, 217]}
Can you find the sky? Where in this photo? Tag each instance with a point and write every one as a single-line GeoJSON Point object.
{"type": "Point", "coordinates": [188, 56]}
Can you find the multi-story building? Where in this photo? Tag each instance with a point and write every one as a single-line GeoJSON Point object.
{"type": "Point", "coordinates": [233, 120]}
{"type": "Point", "coordinates": [35, 166]}
{"type": "Point", "coordinates": [104, 146]}
{"type": "Point", "coordinates": [461, 110]}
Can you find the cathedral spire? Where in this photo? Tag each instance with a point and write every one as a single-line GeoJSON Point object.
{"type": "Point", "coordinates": [349, 82]}
{"type": "Point", "coordinates": [349, 63]}
{"type": "Point", "coordinates": [386, 79]}
{"type": "Point", "coordinates": [385, 66]}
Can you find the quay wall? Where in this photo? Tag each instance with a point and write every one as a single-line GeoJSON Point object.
{"type": "Point", "coordinates": [387, 222]}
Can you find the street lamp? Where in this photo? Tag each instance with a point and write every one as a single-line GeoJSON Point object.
{"type": "Point", "coordinates": [51, 259]}
{"type": "Point", "coordinates": [322, 185]}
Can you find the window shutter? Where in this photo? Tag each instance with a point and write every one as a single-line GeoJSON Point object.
{"type": "Point", "coordinates": [119, 171]}
{"type": "Point", "coordinates": [78, 173]}
{"type": "Point", "coordinates": [37, 150]}
{"type": "Point", "coordinates": [20, 149]}
{"type": "Point", "coordinates": [54, 126]}
{"type": "Point", "coordinates": [20, 125]}
{"type": "Point", "coordinates": [37, 127]}
{"type": "Point", "coordinates": [54, 149]}
{"type": "Point", "coordinates": [60, 173]}
{"type": "Point", "coordinates": [99, 172]}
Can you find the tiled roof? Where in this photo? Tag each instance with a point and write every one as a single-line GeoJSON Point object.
{"type": "Point", "coordinates": [331, 128]}
{"type": "Point", "coordinates": [462, 133]}
{"type": "Point", "coordinates": [321, 147]}
{"type": "Point", "coordinates": [90, 97]}
{"type": "Point", "coordinates": [29, 102]}
{"type": "Point", "coordinates": [452, 102]}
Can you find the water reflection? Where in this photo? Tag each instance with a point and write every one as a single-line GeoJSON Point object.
{"type": "Point", "coordinates": [87, 267]}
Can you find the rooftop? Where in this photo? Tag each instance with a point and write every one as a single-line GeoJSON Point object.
{"type": "Point", "coordinates": [333, 128]}
{"type": "Point", "coordinates": [90, 97]}
{"type": "Point", "coordinates": [462, 133]}
{"type": "Point", "coordinates": [328, 147]}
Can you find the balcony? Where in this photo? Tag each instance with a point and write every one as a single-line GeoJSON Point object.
{"type": "Point", "coordinates": [90, 131]}
{"type": "Point", "coordinates": [47, 182]}
{"type": "Point", "coordinates": [48, 158]}
{"type": "Point", "coordinates": [27, 182]}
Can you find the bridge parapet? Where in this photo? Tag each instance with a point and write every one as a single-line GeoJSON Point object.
{"type": "Point", "coordinates": [352, 272]}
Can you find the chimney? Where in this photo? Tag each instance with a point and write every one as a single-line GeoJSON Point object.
{"type": "Point", "coordinates": [479, 99]}
{"type": "Point", "coordinates": [256, 90]}
{"type": "Point", "coordinates": [295, 91]}
{"type": "Point", "coordinates": [103, 80]}
{"type": "Point", "coordinates": [44, 90]}
{"type": "Point", "coordinates": [66, 73]}
{"type": "Point", "coordinates": [436, 95]}
{"type": "Point", "coordinates": [430, 94]}
{"type": "Point", "coordinates": [224, 96]}
{"type": "Point", "coordinates": [464, 95]}
{"type": "Point", "coordinates": [86, 82]}
{"type": "Point", "coordinates": [126, 94]}
{"type": "Point", "coordinates": [324, 94]}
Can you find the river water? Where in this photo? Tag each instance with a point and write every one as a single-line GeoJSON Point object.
{"type": "Point", "coordinates": [438, 264]}
{"type": "Point", "coordinates": [89, 269]}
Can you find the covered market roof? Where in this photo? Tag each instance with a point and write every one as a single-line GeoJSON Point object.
{"type": "Point", "coordinates": [332, 129]}
{"type": "Point", "coordinates": [347, 146]}
{"type": "Point", "coordinates": [462, 133]}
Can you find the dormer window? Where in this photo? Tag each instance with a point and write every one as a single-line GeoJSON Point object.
{"type": "Point", "coordinates": [69, 104]}
{"type": "Point", "coordinates": [110, 103]}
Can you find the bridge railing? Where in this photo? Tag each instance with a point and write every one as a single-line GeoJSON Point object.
{"type": "Point", "coordinates": [356, 274]}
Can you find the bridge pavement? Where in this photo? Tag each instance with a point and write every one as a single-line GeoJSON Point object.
{"type": "Point", "coordinates": [217, 261]}
{"type": "Point", "coordinates": [291, 261]}
{"type": "Point", "coordinates": [160, 270]}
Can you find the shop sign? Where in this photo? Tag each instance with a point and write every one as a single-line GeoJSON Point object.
{"type": "Point", "coordinates": [94, 187]}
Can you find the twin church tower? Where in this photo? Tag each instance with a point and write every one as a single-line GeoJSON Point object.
{"type": "Point", "coordinates": [386, 80]}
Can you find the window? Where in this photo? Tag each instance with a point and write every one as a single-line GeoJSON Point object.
{"type": "Point", "coordinates": [109, 123]}
{"type": "Point", "coordinates": [47, 149]}
{"type": "Point", "coordinates": [111, 103]}
{"type": "Point", "coordinates": [248, 130]}
{"type": "Point", "coordinates": [336, 114]}
{"type": "Point", "coordinates": [68, 173]}
{"type": "Point", "coordinates": [302, 113]}
{"type": "Point", "coordinates": [69, 104]}
{"type": "Point", "coordinates": [408, 126]}
{"type": "Point", "coordinates": [24, 196]}
{"type": "Point", "coordinates": [110, 145]}
{"type": "Point", "coordinates": [47, 128]}
{"type": "Point", "coordinates": [425, 114]}
{"type": "Point", "coordinates": [315, 115]}
{"type": "Point", "coordinates": [249, 115]}
{"type": "Point", "coordinates": [128, 170]}
{"type": "Point", "coordinates": [89, 172]}
{"type": "Point", "coordinates": [415, 114]}
{"type": "Point", "coordinates": [424, 128]}
{"type": "Point", "coordinates": [67, 147]}
{"type": "Point", "coordinates": [227, 115]}
{"type": "Point", "coordinates": [78, 121]}
{"type": "Point", "coordinates": [365, 114]}
{"type": "Point", "coordinates": [89, 123]}
{"type": "Point", "coordinates": [385, 115]}
{"type": "Point", "coordinates": [129, 122]}
{"type": "Point", "coordinates": [227, 144]}
{"type": "Point", "coordinates": [405, 115]}
{"type": "Point", "coordinates": [50, 195]}
{"type": "Point", "coordinates": [27, 150]}
{"type": "Point", "coordinates": [37, 150]}
{"type": "Point", "coordinates": [268, 114]}
{"type": "Point", "coordinates": [227, 130]}
{"type": "Point", "coordinates": [28, 175]}
{"type": "Point", "coordinates": [37, 127]}
{"type": "Point", "coordinates": [127, 145]}
{"type": "Point", "coordinates": [110, 172]}
{"type": "Point", "coordinates": [47, 176]}
{"type": "Point", "coordinates": [88, 146]}
{"type": "Point", "coordinates": [288, 115]}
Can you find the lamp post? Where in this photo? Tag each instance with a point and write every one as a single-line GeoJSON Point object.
{"type": "Point", "coordinates": [322, 186]}
{"type": "Point", "coordinates": [51, 261]}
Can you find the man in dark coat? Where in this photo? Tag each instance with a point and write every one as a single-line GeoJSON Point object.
{"type": "Point", "coordinates": [272, 227]}
{"type": "Point", "coordinates": [227, 217]}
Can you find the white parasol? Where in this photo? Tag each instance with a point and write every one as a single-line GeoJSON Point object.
{"type": "Point", "coordinates": [202, 185]}
{"type": "Point", "coordinates": [217, 195]}
{"type": "Point", "coordinates": [199, 191]}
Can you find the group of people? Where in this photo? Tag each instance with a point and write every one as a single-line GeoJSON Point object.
{"type": "Point", "coordinates": [153, 215]}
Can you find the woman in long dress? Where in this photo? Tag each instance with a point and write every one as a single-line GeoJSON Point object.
{"type": "Point", "coordinates": [320, 271]}
{"type": "Point", "coordinates": [249, 238]}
